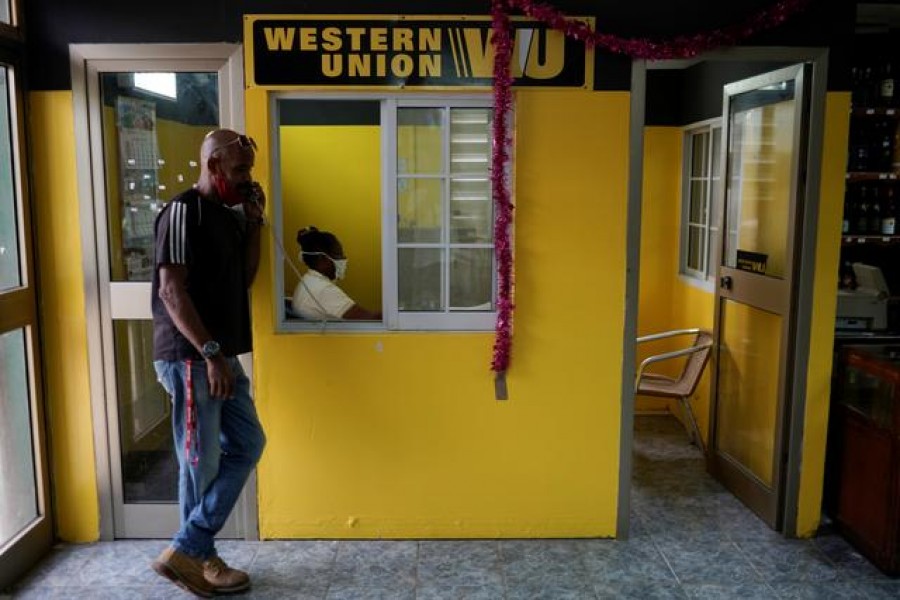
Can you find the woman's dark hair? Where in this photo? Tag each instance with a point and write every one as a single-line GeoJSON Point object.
{"type": "Point", "coordinates": [313, 240]}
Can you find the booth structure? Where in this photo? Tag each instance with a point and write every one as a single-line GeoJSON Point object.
{"type": "Point", "coordinates": [378, 127]}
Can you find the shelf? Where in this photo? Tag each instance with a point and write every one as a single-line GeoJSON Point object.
{"type": "Point", "coordinates": [853, 240]}
{"type": "Point", "coordinates": [875, 111]}
{"type": "Point", "coordinates": [871, 176]}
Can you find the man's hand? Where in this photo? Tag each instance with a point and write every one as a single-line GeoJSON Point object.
{"type": "Point", "coordinates": [254, 208]}
{"type": "Point", "coordinates": [221, 379]}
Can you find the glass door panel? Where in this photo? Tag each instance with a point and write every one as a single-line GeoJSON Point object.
{"type": "Point", "coordinates": [18, 488]}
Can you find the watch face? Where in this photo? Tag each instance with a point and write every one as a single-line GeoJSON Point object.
{"type": "Point", "coordinates": [210, 349]}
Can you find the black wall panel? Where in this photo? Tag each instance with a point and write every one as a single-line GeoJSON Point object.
{"type": "Point", "coordinates": [51, 25]}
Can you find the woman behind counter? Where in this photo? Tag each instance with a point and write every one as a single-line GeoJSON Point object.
{"type": "Point", "coordinates": [316, 297]}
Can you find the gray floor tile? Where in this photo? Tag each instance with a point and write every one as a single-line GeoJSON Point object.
{"type": "Point", "coordinates": [718, 591]}
{"type": "Point", "coordinates": [305, 567]}
{"type": "Point", "coordinates": [459, 563]}
{"type": "Point", "coordinates": [709, 562]}
{"type": "Point", "coordinates": [375, 564]}
{"type": "Point", "coordinates": [839, 590]}
{"type": "Point", "coordinates": [342, 592]}
{"type": "Point", "coordinates": [612, 561]}
{"type": "Point", "coordinates": [641, 590]}
{"type": "Point", "coordinates": [472, 591]}
{"type": "Point", "coordinates": [790, 560]}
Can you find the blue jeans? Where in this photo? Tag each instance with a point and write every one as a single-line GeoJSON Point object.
{"type": "Point", "coordinates": [229, 442]}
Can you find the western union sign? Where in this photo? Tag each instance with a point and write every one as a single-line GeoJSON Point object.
{"type": "Point", "coordinates": [421, 52]}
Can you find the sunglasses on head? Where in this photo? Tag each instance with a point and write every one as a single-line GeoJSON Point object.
{"type": "Point", "coordinates": [244, 142]}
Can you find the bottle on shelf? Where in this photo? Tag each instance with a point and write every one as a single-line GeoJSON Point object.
{"type": "Point", "coordinates": [849, 206]}
{"type": "Point", "coordinates": [859, 155]}
{"type": "Point", "coordinates": [886, 86]}
{"type": "Point", "coordinates": [889, 213]}
{"type": "Point", "coordinates": [884, 151]}
{"type": "Point", "coordinates": [866, 82]}
{"type": "Point", "coordinates": [874, 212]}
{"type": "Point", "coordinates": [862, 212]}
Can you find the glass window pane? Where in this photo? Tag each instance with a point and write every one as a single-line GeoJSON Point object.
{"type": "Point", "coordinates": [18, 492]}
{"type": "Point", "coordinates": [470, 140]}
{"type": "Point", "coordinates": [698, 202]}
{"type": "Point", "coordinates": [471, 210]}
{"type": "Point", "coordinates": [471, 283]}
{"type": "Point", "coordinates": [10, 267]}
{"type": "Point", "coordinates": [419, 141]}
{"type": "Point", "coordinates": [716, 149]}
{"type": "Point", "coordinates": [6, 12]}
{"type": "Point", "coordinates": [149, 464]}
{"type": "Point", "coordinates": [694, 248]}
{"type": "Point", "coordinates": [151, 149]}
{"type": "Point", "coordinates": [699, 153]}
{"type": "Point", "coordinates": [419, 216]}
{"type": "Point", "coordinates": [419, 279]}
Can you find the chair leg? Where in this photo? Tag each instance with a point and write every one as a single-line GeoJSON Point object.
{"type": "Point", "coordinates": [696, 438]}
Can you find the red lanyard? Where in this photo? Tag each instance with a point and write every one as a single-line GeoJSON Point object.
{"type": "Point", "coordinates": [191, 436]}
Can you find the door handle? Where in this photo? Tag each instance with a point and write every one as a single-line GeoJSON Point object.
{"type": "Point", "coordinates": [725, 282]}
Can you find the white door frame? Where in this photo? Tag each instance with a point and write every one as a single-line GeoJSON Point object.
{"type": "Point", "coordinates": [87, 60]}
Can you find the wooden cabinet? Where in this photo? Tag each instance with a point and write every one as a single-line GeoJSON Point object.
{"type": "Point", "coordinates": [863, 486]}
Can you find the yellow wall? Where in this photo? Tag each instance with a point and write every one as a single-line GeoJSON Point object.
{"type": "Point", "coordinates": [818, 374]}
{"type": "Point", "coordinates": [666, 300]}
{"type": "Point", "coordinates": [398, 434]}
{"type": "Point", "coordinates": [331, 178]}
{"type": "Point", "coordinates": [64, 343]}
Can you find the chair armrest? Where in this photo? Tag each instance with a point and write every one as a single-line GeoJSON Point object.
{"type": "Point", "coordinates": [667, 356]}
{"type": "Point", "coordinates": [667, 334]}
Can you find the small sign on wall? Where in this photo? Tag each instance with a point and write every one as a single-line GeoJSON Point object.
{"type": "Point", "coordinates": [755, 262]}
{"type": "Point", "coordinates": [400, 52]}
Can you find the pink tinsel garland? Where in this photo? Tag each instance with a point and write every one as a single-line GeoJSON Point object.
{"type": "Point", "coordinates": [678, 47]}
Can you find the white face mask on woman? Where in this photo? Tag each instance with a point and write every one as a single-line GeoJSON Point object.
{"type": "Point", "coordinates": [340, 264]}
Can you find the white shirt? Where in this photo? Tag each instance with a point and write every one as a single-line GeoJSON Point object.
{"type": "Point", "coordinates": [317, 298]}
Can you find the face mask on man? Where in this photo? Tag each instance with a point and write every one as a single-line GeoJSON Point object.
{"type": "Point", "coordinates": [229, 194]}
{"type": "Point", "coordinates": [340, 264]}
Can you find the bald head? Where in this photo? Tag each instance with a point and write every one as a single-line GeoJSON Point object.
{"type": "Point", "coordinates": [225, 153]}
{"type": "Point", "coordinates": [218, 138]}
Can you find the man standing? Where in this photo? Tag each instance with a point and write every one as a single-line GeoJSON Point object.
{"type": "Point", "coordinates": [207, 254]}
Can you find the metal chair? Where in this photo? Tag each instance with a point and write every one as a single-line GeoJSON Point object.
{"type": "Point", "coordinates": [681, 387]}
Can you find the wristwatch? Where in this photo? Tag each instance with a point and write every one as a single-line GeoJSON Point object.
{"type": "Point", "coordinates": [210, 349]}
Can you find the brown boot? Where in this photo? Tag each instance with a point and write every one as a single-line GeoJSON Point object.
{"type": "Point", "coordinates": [185, 571]}
{"type": "Point", "coordinates": [223, 578]}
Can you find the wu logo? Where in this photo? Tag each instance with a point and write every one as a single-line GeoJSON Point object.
{"type": "Point", "coordinates": [537, 53]}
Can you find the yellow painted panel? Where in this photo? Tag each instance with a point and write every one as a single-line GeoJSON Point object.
{"type": "Point", "coordinates": [64, 343]}
{"type": "Point", "coordinates": [395, 434]}
{"type": "Point", "coordinates": [750, 346]}
{"type": "Point", "coordinates": [331, 179]}
{"type": "Point", "coordinates": [828, 247]}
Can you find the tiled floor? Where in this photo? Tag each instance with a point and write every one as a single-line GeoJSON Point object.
{"type": "Point", "coordinates": [691, 539]}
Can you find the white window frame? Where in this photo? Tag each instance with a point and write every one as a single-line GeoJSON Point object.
{"type": "Point", "coordinates": [709, 227]}
{"type": "Point", "coordinates": [393, 318]}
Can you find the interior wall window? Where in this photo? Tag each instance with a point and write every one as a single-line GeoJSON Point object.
{"type": "Point", "coordinates": [444, 217]}
{"type": "Point", "coordinates": [405, 185]}
{"type": "Point", "coordinates": [701, 180]}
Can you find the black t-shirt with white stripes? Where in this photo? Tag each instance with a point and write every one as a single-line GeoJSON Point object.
{"type": "Point", "coordinates": [209, 239]}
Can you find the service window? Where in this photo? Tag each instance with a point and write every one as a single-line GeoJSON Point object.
{"type": "Point", "coordinates": [404, 183]}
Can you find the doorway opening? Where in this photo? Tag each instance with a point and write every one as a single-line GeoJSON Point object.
{"type": "Point", "coordinates": [727, 149]}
